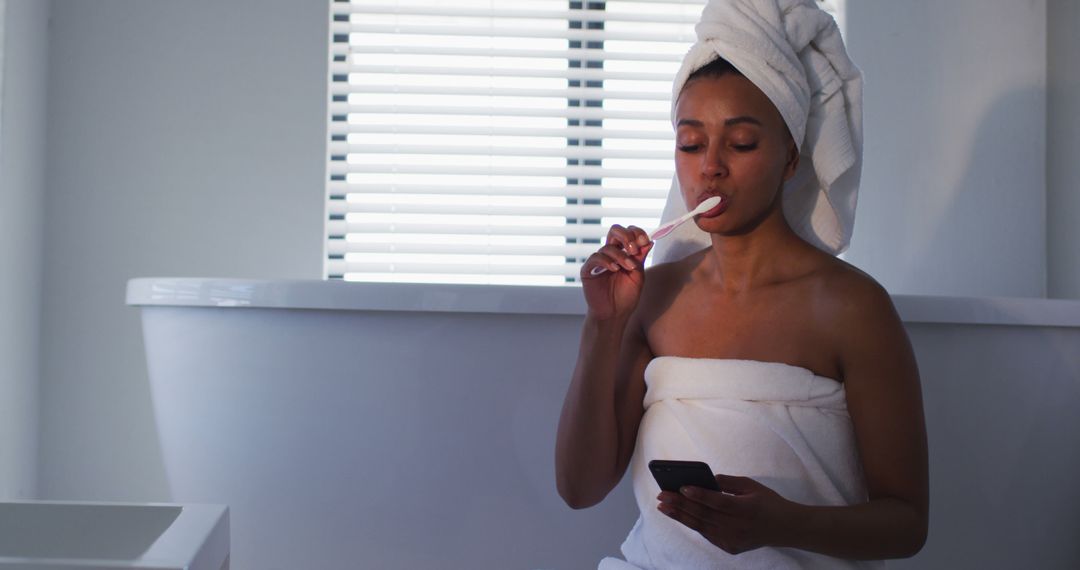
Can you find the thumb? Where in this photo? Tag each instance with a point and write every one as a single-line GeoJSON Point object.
{"type": "Point", "coordinates": [736, 485]}
{"type": "Point", "coordinates": [643, 252]}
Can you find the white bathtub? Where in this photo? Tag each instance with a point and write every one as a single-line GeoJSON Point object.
{"type": "Point", "coordinates": [412, 426]}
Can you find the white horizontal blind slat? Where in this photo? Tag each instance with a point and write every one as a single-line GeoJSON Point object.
{"type": "Point", "coordinates": [495, 142]}
{"type": "Point", "coordinates": [567, 112]}
{"type": "Point", "coordinates": [580, 74]}
{"type": "Point", "coordinates": [508, 32]}
{"type": "Point", "coordinates": [568, 93]}
{"type": "Point", "coordinates": [589, 152]}
{"type": "Point", "coordinates": [489, 247]}
{"type": "Point", "coordinates": [432, 268]}
{"type": "Point", "coordinates": [582, 191]}
{"type": "Point", "coordinates": [575, 132]}
{"type": "Point", "coordinates": [579, 231]}
{"type": "Point", "coordinates": [444, 11]}
{"type": "Point", "coordinates": [576, 210]}
{"type": "Point", "coordinates": [496, 52]}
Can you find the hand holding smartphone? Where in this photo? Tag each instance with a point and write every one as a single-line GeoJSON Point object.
{"type": "Point", "coordinates": [674, 475]}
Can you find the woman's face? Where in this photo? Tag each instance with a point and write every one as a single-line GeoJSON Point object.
{"type": "Point", "coordinates": [730, 141]}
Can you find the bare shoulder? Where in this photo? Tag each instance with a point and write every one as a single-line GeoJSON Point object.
{"type": "Point", "coordinates": [864, 325]}
{"type": "Point", "coordinates": [850, 293]}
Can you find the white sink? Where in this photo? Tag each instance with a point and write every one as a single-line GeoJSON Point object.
{"type": "Point", "coordinates": [64, 535]}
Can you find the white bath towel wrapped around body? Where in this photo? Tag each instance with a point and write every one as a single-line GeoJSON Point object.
{"type": "Point", "coordinates": [780, 425]}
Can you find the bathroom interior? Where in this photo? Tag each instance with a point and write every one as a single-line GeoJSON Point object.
{"type": "Point", "coordinates": [170, 342]}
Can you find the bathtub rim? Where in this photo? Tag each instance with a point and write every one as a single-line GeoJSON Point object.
{"type": "Point", "coordinates": [300, 294]}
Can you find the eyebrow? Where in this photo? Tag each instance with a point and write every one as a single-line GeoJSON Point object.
{"type": "Point", "coordinates": [727, 123]}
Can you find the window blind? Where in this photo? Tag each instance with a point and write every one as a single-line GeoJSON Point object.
{"type": "Point", "coordinates": [495, 142]}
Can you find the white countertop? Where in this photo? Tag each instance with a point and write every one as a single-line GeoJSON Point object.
{"type": "Point", "coordinates": [113, 536]}
{"type": "Point", "coordinates": [511, 299]}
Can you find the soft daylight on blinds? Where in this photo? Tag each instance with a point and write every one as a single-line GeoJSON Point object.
{"type": "Point", "coordinates": [495, 142]}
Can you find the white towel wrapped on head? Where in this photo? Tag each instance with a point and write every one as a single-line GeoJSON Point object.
{"type": "Point", "coordinates": [792, 51]}
{"type": "Point", "coordinates": [780, 425]}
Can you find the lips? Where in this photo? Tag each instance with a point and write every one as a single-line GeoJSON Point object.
{"type": "Point", "coordinates": [719, 209]}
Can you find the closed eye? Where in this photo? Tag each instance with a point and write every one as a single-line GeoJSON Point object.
{"type": "Point", "coordinates": [689, 148]}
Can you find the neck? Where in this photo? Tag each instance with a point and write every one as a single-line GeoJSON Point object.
{"type": "Point", "coordinates": [739, 264]}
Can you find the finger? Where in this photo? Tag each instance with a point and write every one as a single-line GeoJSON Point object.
{"type": "Point", "coordinates": [641, 238]}
{"type": "Point", "coordinates": [715, 501]}
{"type": "Point", "coordinates": [681, 516]}
{"type": "Point", "coordinates": [712, 524]}
{"type": "Point", "coordinates": [736, 485]}
{"type": "Point", "coordinates": [596, 260]}
{"type": "Point", "coordinates": [616, 234]}
{"type": "Point", "coordinates": [620, 256]}
{"type": "Point", "coordinates": [643, 253]}
{"type": "Point", "coordinates": [702, 503]}
{"type": "Point", "coordinates": [635, 238]}
{"type": "Point", "coordinates": [612, 258]}
{"type": "Point", "coordinates": [629, 241]}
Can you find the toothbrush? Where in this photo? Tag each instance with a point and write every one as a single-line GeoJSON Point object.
{"type": "Point", "coordinates": [666, 229]}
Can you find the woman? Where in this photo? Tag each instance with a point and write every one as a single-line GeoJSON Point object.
{"type": "Point", "coordinates": [835, 472]}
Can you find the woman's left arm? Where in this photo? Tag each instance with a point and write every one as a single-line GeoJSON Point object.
{"type": "Point", "coordinates": [885, 403]}
{"type": "Point", "coordinates": [884, 399]}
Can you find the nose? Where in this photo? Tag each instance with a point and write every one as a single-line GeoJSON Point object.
{"type": "Point", "coordinates": [714, 163]}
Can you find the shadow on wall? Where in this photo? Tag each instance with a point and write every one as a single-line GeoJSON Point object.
{"type": "Point", "coordinates": [103, 441]}
{"type": "Point", "coordinates": [1001, 419]}
{"type": "Point", "coordinates": [952, 199]}
{"type": "Point", "coordinates": [994, 217]}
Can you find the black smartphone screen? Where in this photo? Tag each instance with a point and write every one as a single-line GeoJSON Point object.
{"type": "Point", "coordinates": [673, 475]}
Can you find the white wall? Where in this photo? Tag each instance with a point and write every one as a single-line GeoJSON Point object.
{"type": "Point", "coordinates": [1063, 148]}
{"type": "Point", "coordinates": [952, 200]}
{"type": "Point", "coordinates": [24, 48]}
{"type": "Point", "coordinates": [185, 138]}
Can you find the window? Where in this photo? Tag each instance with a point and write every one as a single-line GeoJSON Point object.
{"type": "Point", "coordinates": [495, 142]}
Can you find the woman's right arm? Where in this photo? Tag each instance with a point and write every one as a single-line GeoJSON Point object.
{"type": "Point", "coordinates": [603, 406]}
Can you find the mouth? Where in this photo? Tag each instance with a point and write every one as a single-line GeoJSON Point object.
{"type": "Point", "coordinates": [718, 209]}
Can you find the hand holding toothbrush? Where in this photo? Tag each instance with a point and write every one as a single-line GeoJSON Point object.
{"type": "Point", "coordinates": [613, 293]}
{"type": "Point", "coordinates": [612, 277]}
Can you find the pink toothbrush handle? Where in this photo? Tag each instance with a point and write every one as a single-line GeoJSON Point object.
{"type": "Point", "coordinates": [667, 228]}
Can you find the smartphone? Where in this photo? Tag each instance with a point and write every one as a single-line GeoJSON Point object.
{"type": "Point", "coordinates": [674, 475]}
